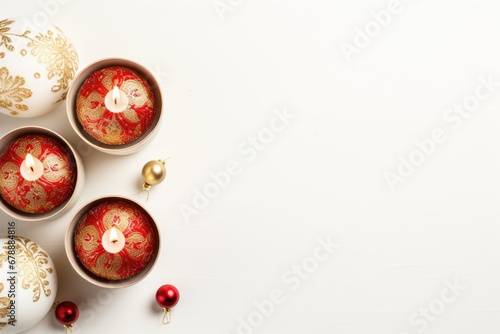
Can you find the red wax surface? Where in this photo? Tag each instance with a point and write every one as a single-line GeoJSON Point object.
{"type": "Point", "coordinates": [52, 189]}
{"type": "Point", "coordinates": [139, 240]}
{"type": "Point", "coordinates": [109, 127]}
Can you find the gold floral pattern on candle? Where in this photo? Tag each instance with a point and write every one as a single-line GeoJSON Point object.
{"type": "Point", "coordinates": [115, 128]}
{"type": "Point", "coordinates": [52, 189]}
{"type": "Point", "coordinates": [139, 244]}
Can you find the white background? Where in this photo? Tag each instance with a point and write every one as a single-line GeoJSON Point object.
{"type": "Point", "coordinates": [321, 177]}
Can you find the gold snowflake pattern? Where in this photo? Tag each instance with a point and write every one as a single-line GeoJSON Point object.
{"type": "Point", "coordinates": [4, 304]}
{"type": "Point", "coordinates": [59, 55]}
{"type": "Point", "coordinates": [12, 93]}
{"type": "Point", "coordinates": [5, 35]}
{"type": "Point", "coordinates": [32, 267]}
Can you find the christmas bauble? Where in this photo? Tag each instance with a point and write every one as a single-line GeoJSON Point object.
{"type": "Point", "coordinates": [167, 296]}
{"type": "Point", "coordinates": [36, 67]}
{"type": "Point", "coordinates": [66, 313]}
{"type": "Point", "coordinates": [28, 284]}
{"type": "Point", "coordinates": [153, 173]}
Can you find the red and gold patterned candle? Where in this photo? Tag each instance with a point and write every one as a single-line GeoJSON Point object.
{"type": "Point", "coordinates": [52, 179]}
{"type": "Point", "coordinates": [115, 105]}
{"type": "Point", "coordinates": [131, 223]}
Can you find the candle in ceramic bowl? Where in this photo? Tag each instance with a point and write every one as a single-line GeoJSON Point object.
{"type": "Point", "coordinates": [42, 175]}
{"type": "Point", "coordinates": [38, 173]}
{"type": "Point", "coordinates": [112, 242]}
{"type": "Point", "coordinates": [115, 106]}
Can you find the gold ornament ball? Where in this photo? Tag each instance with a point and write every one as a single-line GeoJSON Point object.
{"type": "Point", "coordinates": [153, 173]}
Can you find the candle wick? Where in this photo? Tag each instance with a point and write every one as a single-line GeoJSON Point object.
{"type": "Point", "coordinates": [32, 169]}
{"type": "Point", "coordinates": [116, 101]}
{"type": "Point", "coordinates": [113, 236]}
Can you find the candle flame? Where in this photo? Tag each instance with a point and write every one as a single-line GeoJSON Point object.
{"type": "Point", "coordinates": [30, 163]}
{"type": "Point", "coordinates": [116, 95]}
{"type": "Point", "coordinates": [113, 235]}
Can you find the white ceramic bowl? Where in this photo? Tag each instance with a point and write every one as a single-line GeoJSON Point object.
{"type": "Point", "coordinates": [80, 176]}
{"type": "Point", "coordinates": [69, 244]}
{"type": "Point", "coordinates": [135, 145]}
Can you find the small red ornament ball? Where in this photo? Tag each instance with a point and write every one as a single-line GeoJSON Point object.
{"type": "Point", "coordinates": [167, 296]}
{"type": "Point", "coordinates": [67, 313]}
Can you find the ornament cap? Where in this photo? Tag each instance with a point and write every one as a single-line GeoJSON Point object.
{"type": "Point", "coordinates": [167, 317]}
